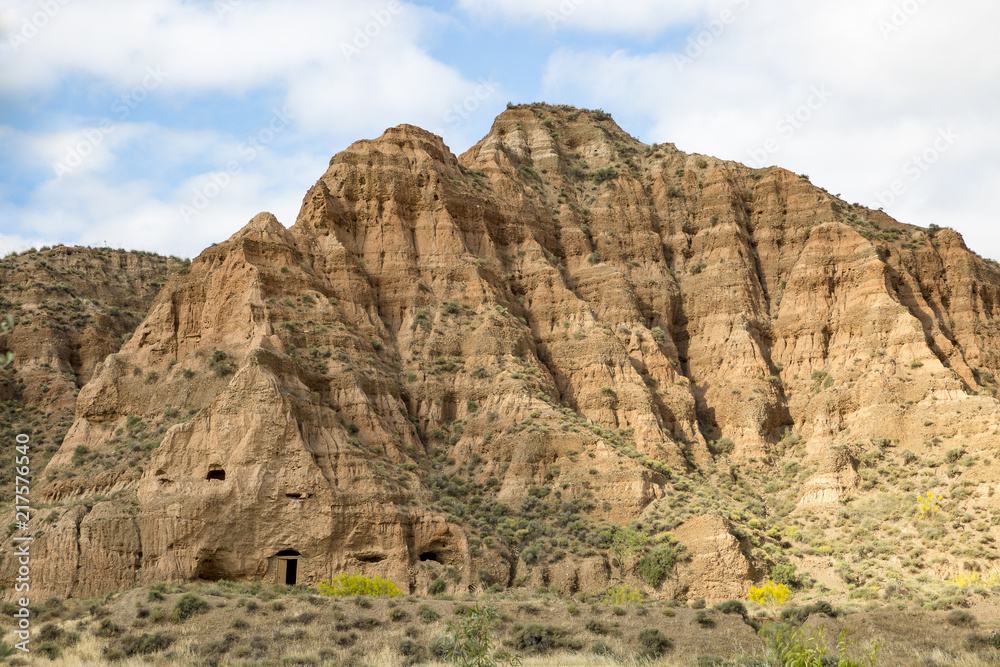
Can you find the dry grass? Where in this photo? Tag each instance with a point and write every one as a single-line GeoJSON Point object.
{"type": "Point", "coordinates": [272, 625]}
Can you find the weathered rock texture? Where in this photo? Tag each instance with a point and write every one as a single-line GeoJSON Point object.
{"type": "Point", "coordinates": [468, 368]}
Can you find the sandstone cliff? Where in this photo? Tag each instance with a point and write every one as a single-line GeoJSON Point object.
{"type": "Point", "coordinates": [472, 368]}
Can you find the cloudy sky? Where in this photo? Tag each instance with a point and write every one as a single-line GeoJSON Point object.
{"type": "Point", "coordinates": [165, 125]}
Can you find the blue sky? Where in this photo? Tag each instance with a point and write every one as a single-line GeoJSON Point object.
{"type": "Point", "coordinates": [166, 125]}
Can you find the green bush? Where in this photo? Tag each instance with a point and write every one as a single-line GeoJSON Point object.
{"type": "Point", "coordinates": [658, 563]}
{"type": "Point", "coordinates": [785, 574]}
{"type": "Point", "coordinates": [720, 447]}
{"type": "Point", "coordinates": [732, 607]}
{"type": "Point", "coordinates": [535, 638]}
{"type": "Point", "coordinates": [145, 644]}
{"type": "Point", "coordinates": [654, 643]}
{"type": "Point", "coordinates": [437, 587]}
{"type": "Point", "coordinates": [413, 652]}
{"type": "Point", "coordinates": [704, 619]}
{"type": "Point", "coordinates": [427, 614]}
{"type": "Point", "coordinates": [348, 585]}
{"type": "Point", "coordinates": [219, 363]}
{"type": "Point", "coordinates": [961, 618]}
{"type": "Point", "coordinates": [187, 606]}
{"type": "Point", "coordinates": [605, 174]}
{"type": "Point", "coordinates": [595, 626]}
{"type": "Point", "coordinates": [471, 639]}
{"type": "Point", "coordinates": [49, 650]}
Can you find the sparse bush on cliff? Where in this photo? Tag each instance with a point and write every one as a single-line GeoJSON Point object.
{"type": "Point", "coordinates": [348, 585]}
{"type": "Point", "coordinates": [219, 363]}
{"type": "Point", "coordinates": [658, 563]}
{"type": "Point", "coordinates": [605, 174]}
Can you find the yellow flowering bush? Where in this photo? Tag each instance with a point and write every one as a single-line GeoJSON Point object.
{"type": "Point", "coordinates": [348, 585]}
{"type": "Point", "coordinates": [770, 594]}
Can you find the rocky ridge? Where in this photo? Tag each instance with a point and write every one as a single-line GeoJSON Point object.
{"type": "Point", "coordinates": [475, 368]}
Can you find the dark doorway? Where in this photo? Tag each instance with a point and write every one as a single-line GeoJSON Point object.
{"type": "Point", "coordinates": [216, 473]}
{"type": "Point", "coordinates": [288, 567]}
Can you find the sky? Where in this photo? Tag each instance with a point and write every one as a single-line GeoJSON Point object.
{"type": "Point", "coordinates": [166, 125]}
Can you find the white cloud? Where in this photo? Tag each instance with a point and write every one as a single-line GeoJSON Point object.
{"type": "Point", "coordinates": [890, 92]}
{"type": "Point", "coordinates": [637, 16]}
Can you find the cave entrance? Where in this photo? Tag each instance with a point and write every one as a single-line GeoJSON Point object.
{"type": "Point", "coordinates": [288, 567]}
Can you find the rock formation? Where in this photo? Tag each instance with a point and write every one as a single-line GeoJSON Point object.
{"type": "Point", "coordinates": [471, 368]}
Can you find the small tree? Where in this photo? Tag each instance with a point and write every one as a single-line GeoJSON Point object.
{"type": "Point", "coordinates": [471, 639]}
{"type": "Point", "coordinates": [626, 542]}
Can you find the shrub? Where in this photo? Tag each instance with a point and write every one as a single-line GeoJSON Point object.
{"type": "Point", "coordinates": [659, 335]}
{"type": "Point", "coordinates": [595, 626]}
{"type": "Point", "coordinates": [961, 618]}
{"type": "Point", "coordinates": [622, 594]}
{"type": "Point", "coordinates": [49, 650]}
{"type": "Point", "coordinates": [795, 649]}
{"type": "Point", "coordinates": [536, 638]}
{"type": "Point", "coordinates": [470, 640]}
{"type": "Point", "coordinates": [732, 607]}
{"type": "Point", "coordinates": [348, 585]}
{"type": "Point", "coordinates": [413, 652]}
{"type": "Point", "coordinates": [219, 363]}
{"type": "Point", "coordinates": [721, 446]}
{"type": "Point", "coordinates": [108, 628]}
{"type": "Point", "coordinates": [704, 619]}
{"type": "Point", "coordinates": [605, 174]}
{"type": "Point", "coordinates": [398, 615]}
{"type": "Point", "coordinates": [145, 644]}
{"type": "Point", "coordinates": [437, 587]}
{"type": "Point", "coordinates": [657, 564]}
{"type": "Point", "coordinates": [770, 594]}
{"type": "Point", "coordinates": [427, 614]}
{"type": "Point", "coordinates": [654, 643]}
{"type": "Point", "coordinates": [785, 574]}
{"type": "Point", "coordinates": [187, 606]}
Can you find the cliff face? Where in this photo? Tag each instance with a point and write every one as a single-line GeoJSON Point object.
{"type": "Point", "coordinates": [73, 307]}
{"type": "Point", "coordinates": [472, 368]}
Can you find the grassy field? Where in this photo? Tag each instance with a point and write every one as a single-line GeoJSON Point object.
{"type": "Point", "coordinates": [250, 624]}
